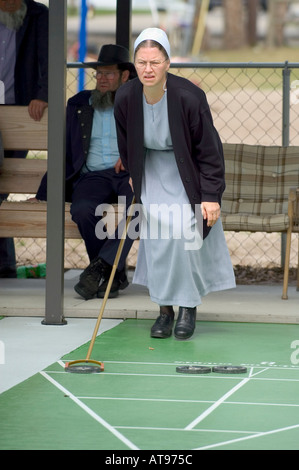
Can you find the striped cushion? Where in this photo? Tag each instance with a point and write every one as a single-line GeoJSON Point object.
{"type": "Point", "coordinates": [253, 223]}
{"type": "Point", "coordinates": [258, 180]}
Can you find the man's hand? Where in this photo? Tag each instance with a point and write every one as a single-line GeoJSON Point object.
{"type": "Point", "coordinates": [36, 109]}
{"type": "Point", "coordinates": [211, 212]}
{"type": "Point", "coordinates": [119, 166]}
{"type": "Point", "coordinates": [32, 199]}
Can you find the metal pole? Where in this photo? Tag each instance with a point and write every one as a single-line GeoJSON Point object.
{"type": "Point", "coordinates": [56, 164]}
{"type": "Point", "coordinates": [286, 86]}
{"type": "Point", "coordinates": [123, 23]}
{"type": "Point", "coordinates": [82, 44]}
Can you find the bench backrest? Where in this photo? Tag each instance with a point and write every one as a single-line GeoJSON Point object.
{"type": "Point", "coordinates": [21, 175]}
{"type": "Point", "coordinates": [20, 132]}
{"type": "Point", "coordinates": [258, 178]}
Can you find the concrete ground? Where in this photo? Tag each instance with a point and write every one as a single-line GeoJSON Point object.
{"type": "Point", "coordinates": [249, 303]}
{"type": "Point", "coordinates": [27, 346]}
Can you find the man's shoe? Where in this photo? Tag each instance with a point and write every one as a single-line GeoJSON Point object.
{"type": "Point", "coordinates": [89, 280]}
{"type": "Point", "coordinates": [162, 328]}
{"type": "Point", "coordinates": [120, 282]}
{"type": "Point", "coordinates": [185, 324]}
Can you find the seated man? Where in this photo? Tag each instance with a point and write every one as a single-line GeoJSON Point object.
{"type": "Point", "coordinates": [24, 77]}
{"type": "Point", "coordinates": [94, 173]}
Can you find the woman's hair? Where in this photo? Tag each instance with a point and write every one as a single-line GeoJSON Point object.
{"type": "Point", "coordinates": [151, 43]}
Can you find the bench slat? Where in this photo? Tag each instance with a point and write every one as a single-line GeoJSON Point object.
{"type": "Point", "coordinates": [21, 175]}
{"type": "Point", "coordinates": [29, 220]}
{"type": "Point", "coordinates": [20, 132]}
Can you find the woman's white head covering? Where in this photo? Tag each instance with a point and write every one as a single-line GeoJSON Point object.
{"type": "Point", "coordinates": [154, 34]}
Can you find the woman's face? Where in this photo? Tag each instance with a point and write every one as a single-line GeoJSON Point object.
{"type": "Point", "coordinates": [151, 66]}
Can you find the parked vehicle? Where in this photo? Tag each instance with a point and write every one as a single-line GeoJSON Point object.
{"type": "Point", "coordinates": [219, 3]}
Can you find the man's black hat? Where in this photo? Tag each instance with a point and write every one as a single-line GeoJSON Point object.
{"type": "Point", "coordinates": [113, 54]}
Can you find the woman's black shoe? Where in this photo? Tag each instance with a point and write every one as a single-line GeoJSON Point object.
{"type": "Point", "coordinates": [162, 328]}
{"type": "Point", "coordinates": [185, 324]}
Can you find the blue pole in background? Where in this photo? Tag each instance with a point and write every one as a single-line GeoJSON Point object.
{"type": "Point", "coordinates": [82, 43]}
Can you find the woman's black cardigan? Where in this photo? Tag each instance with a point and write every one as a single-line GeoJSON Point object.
{"type": "Point", "coordinates": [196, 143]}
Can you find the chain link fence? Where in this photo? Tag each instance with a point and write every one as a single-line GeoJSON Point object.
{"type": "Point", "coordinates": [250, 103]}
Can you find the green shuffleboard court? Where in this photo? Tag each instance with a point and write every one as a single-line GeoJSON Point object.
{"type": "Point", "coordinates": [141, 402]}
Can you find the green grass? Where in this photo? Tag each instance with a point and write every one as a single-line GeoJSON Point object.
{"type": "Point", "coordinates": [254, 54]}
{"type": "Point", "coordinates": [105, 12]}
{"type": "Point", "coordinates": [241, 78]}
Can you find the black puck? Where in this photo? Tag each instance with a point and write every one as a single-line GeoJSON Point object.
{"type": "Point", "coordinates": [193, 370]}
{"type": "Point", "coordinates": [230, 369]}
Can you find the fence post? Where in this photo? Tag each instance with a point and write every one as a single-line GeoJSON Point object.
{"type": "Point", "coordinates": [56, 165]}
{"type": "Point", "coordinates": [286, 86]}
{"type": "Point", "coordinates": [286, 72]}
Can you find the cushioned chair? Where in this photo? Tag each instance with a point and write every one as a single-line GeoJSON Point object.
{"type": "Point", "coordinates": [261, 192]}
{"type": "Point", "coordinates": [1, 152]}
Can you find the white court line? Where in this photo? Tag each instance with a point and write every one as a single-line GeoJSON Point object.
{"type": "Point", "coordinates": [190, 377]}
{"type": "Point", "coordinates": [90, 412]}
{"type": "Point", "coordinates": [207, 364]}
{"type": "Point", "coordinates": [223, 431]}
{"type": "Point", "coordinates": [173, 400]}
{"type": "Point", "coordinates": [251, 374]}
{"type": "Point", "coordinates": [167, 400]}
{"type": "Point", "coordinates": [195, 363]}
{"type": "Point", "coordinates": [221, 400]}
{"type": "Point", "coordinates": [216, 404]}
{"type": "Point", "coordinates": [260, 434]}
{"type": "Point", "coordinates": [191, 425]}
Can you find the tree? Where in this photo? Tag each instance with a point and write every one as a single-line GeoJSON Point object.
{"type": "Point", "coordinates": [234, 19]}
{"type": "Point", "coordinates": [277, 12]}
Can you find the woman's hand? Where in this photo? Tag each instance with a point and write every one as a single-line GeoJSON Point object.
{"type": "Point", "coordinates": [131, 184]}
{"type": "Point", "coordinates": [210, 212]}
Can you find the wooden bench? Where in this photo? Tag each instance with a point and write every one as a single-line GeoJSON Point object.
{"type": "Point", "coordinates": [22, 176]}
{"type": "Point", "coordinates": [261, 186]}
{"type": "Point", "coordinates": [262, 193]}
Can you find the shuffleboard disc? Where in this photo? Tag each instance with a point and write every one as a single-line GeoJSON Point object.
{"type": "Point", "coordinates": [230, 369]}
{"type": "Point", "coordinates": [193, 370]}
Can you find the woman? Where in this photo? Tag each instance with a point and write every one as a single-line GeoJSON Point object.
{"type": "Point", "coordinates": [168, 143]}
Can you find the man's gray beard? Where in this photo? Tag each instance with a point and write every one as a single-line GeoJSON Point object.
{"type": "Point", "coordinates": [101, 100]}
{"type": "Point", "coordinates": [14, 20]}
